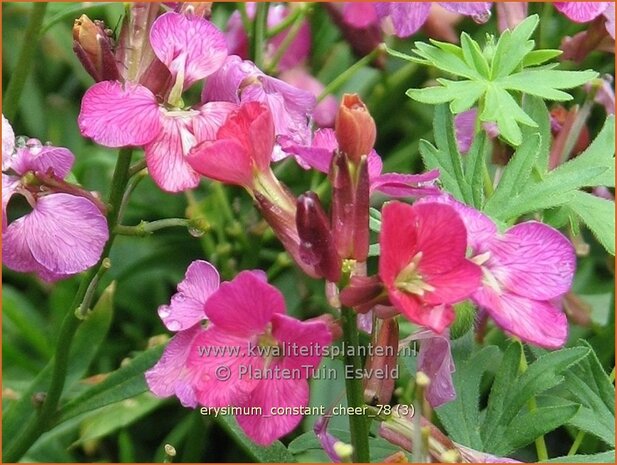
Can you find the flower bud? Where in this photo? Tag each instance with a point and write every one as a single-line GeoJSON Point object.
{"type": "Point", "coordinates": [381, 364]}
{"type": "Point", "coordinates": [283, 223]}
{"type": "Point", "coordinates": [355, 128]}
{"type": "Point", "coordinates": [316, 242]}
{"type": "Point", "coordinates": [350, 206]}
{"type": "Point", "coordinates": [93, 47]}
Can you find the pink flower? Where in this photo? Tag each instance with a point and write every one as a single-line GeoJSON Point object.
{"type": "Point", "coordinates": [408, 17]}
{"type": "Point", "coordinates": [118, 114]}
{"type": "Point", "coordinates": [8, 143]}
{"type": "Point", "coordinates": [422, 262]}
{"type": "Point", "coordinates": [319, 154]}
{"type": "Point", "coordinates": [248, 313]}
{"type": "Point", "coordinates": [64, 233]}
{"type": "Point", "coordinates": [325, 111]}
{"type": "Point", "coordinates": [582, 12]}
{"type": "Point", "coordinates": [170, 376]}
{"type": "Point", "coordinates": [526, 271]}
{"type": "Point", "coordinates": [241, 81]}
{"type": "Point", "coordinates": [242, 148]}
{"type": "Point", "coordinates": [297, 51]}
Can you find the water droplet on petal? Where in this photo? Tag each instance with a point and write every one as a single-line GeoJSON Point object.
{"type": "Point", "coordinates": [179, 297]}
{"type": "Point", "coordinates": [481, 18]}
{"type": "Point", "coordinates": [173, 325]}
{"type": "Point", "coordinates": [164, 311]}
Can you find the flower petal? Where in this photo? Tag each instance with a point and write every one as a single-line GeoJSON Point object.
{"type": "Point", "coordinates": [187, 305]}
{"type": "Point", "coordinates": [441, 237]}
{"type": "Point", "coordinates": [9, 186]}
{"type": "Point", "coordinates": [408, 17]}
{"type": "Point", "coordinates": [65, 234]}
{"type": "Point", "coordinates": [171, 375]}
{"type": "Point", "coordinates": [435, 360]}
{"type": "Point", "coordinates": [533, 260]}
{"type": "Point", "coordinates": [454, 285]}
{"type": "Point", "coordinates": [436, 318]}
{"type": "Point", "coordinates": [8, 143]}
{"type": "Point", "coordinates": [359, 15]}
{"type": "Point", "coordinates": [397, 240]}
{"type": "Point", "coordinates": [211, 117]}
{"type": "Point", "coordinates": [269, 394]}
{"type": "Point", "coordinates": [119, 115]}
{"type": "Point", "coordinates": [582, 12]}
{"type": "Point", "coordinates": [478, 9]}
{"type": "Point", "coordinates": [42, 158]}
{"type": "Point", "coordinates": [314, 335]}
{"type": "Point", "coordinates": [166, 154]}
{"type": "Point", "coordinates": [217, 360]}
{"type": "Point", "coordinates": [406, 185]}
{"type": "Point", "coordinates": [188, 45]}
{"type": "Point", "coordinates": [535, 322]}
{"type": "Point", "coordinates": [318, 155]}
{"type": "Point", "coordinates": [245, 305]}
{"type": "Point", "coordinates": [224, 160]}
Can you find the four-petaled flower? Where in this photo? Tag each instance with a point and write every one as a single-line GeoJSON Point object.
{"type": "Point", "coordinates": [423, 263]}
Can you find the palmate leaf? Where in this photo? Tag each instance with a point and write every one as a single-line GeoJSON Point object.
{"type": "Point", "coordinates": [495, 77]}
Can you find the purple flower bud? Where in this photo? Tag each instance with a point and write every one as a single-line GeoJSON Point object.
{"type": "Point", "coordinates": [316, 242]}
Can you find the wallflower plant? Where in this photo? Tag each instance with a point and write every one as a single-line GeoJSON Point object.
{"type": "Point", "coordinates": [441, 301]}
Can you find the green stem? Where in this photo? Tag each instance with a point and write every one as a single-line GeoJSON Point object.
{"type": "Point", "coordinates": [577, 442]}
{"type": "Point", "coordinates": [39, 424]}
{"type": "Point", "coordinates": [260, 25]}
{"type": "Point", "coordinates": [145, 228]}
{"type": "Point", "coordinates": [24, 62]}
{"type": "Point", "coordinates": [533, 406]}
{"type": "Point", "coordinates": [342, 78]}
{"type": "Point", "coordinates": [284, 24]}
{"type": "Point", "coordinates": [358, 424]}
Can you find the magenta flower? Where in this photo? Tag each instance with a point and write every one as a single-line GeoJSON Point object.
{"type": "Point", "coordinates": [171, 376]}
{"type": "Point", "coordinates": [408, 17]}
{"type": "Point", "coordinates": [582, 12]}
{"type": "Point", "coordinates": [422, 262]}
{"type": "Point", "coordinates": [118, 114]}
{"type": "Point", "coordinates": [242, 149]}
{"type": "Point", "coordinates": [526, 270]}
{"type": "Point", "coordinates": [241, 81]}
{"type": "Point", "coordinates": [65, 232]}
{"type": "Point", "coordinates": [297, 51]}
{"type": "Point", "coordinates": [249, 314]}
{"type": "Point", "coordinates": [319, 155]}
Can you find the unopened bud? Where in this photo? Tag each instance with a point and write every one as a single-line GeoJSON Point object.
{"type": "Point", "coordinates": [94, 49]}
{"type": "Point", "coordinates": [381, 364]}
{"type": "Point", "coordinates": [343, 450]}
{"type": "Point", "coordinates": [316, 242]}
{"type": "Point", "coordinates": [355, 128]}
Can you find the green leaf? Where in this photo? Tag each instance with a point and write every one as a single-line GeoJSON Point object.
{"type": "Point", "coordinates": [124, 383]}
{"type": "Point", "coordinates": [510, 392]}
{"type": "Point", "coordinates": [590, 385]}
{"type": "Point", "coordinates": [528, 426]}
{"type": "Point", "coordinates": [602, 457]}
{"type": "Point", "coordinates": [475, 164]}
{"type": "Point", "coordinates": [516, 174]}
{"type": "Point", "coordinates": [461, 94]}
{"type": "Point", "coordinates": [88, 338]}
{"type": "Point", "coordinates": [599, 216]}
{"type": "Point", "coordinates": [537, 57]}
{"type": "Point", "coordinates": [503, 109]}
{"type": "Point", "coordinates": [446, 60]}
{"type": "Point", "coordinates": [474, 56]}
{"type": "Point", "coordinates": [275, 453]}
{"type": "Point", "coordinates": [113, 417]}
{"type": "Point", "coordinates": [545, 83]}
{"type": "Point", "coordinates": [536, 109]}
{"type": "Point", "coordinates": [461, 417]}
{"type": "Point", "coordinates": [513, 46]}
